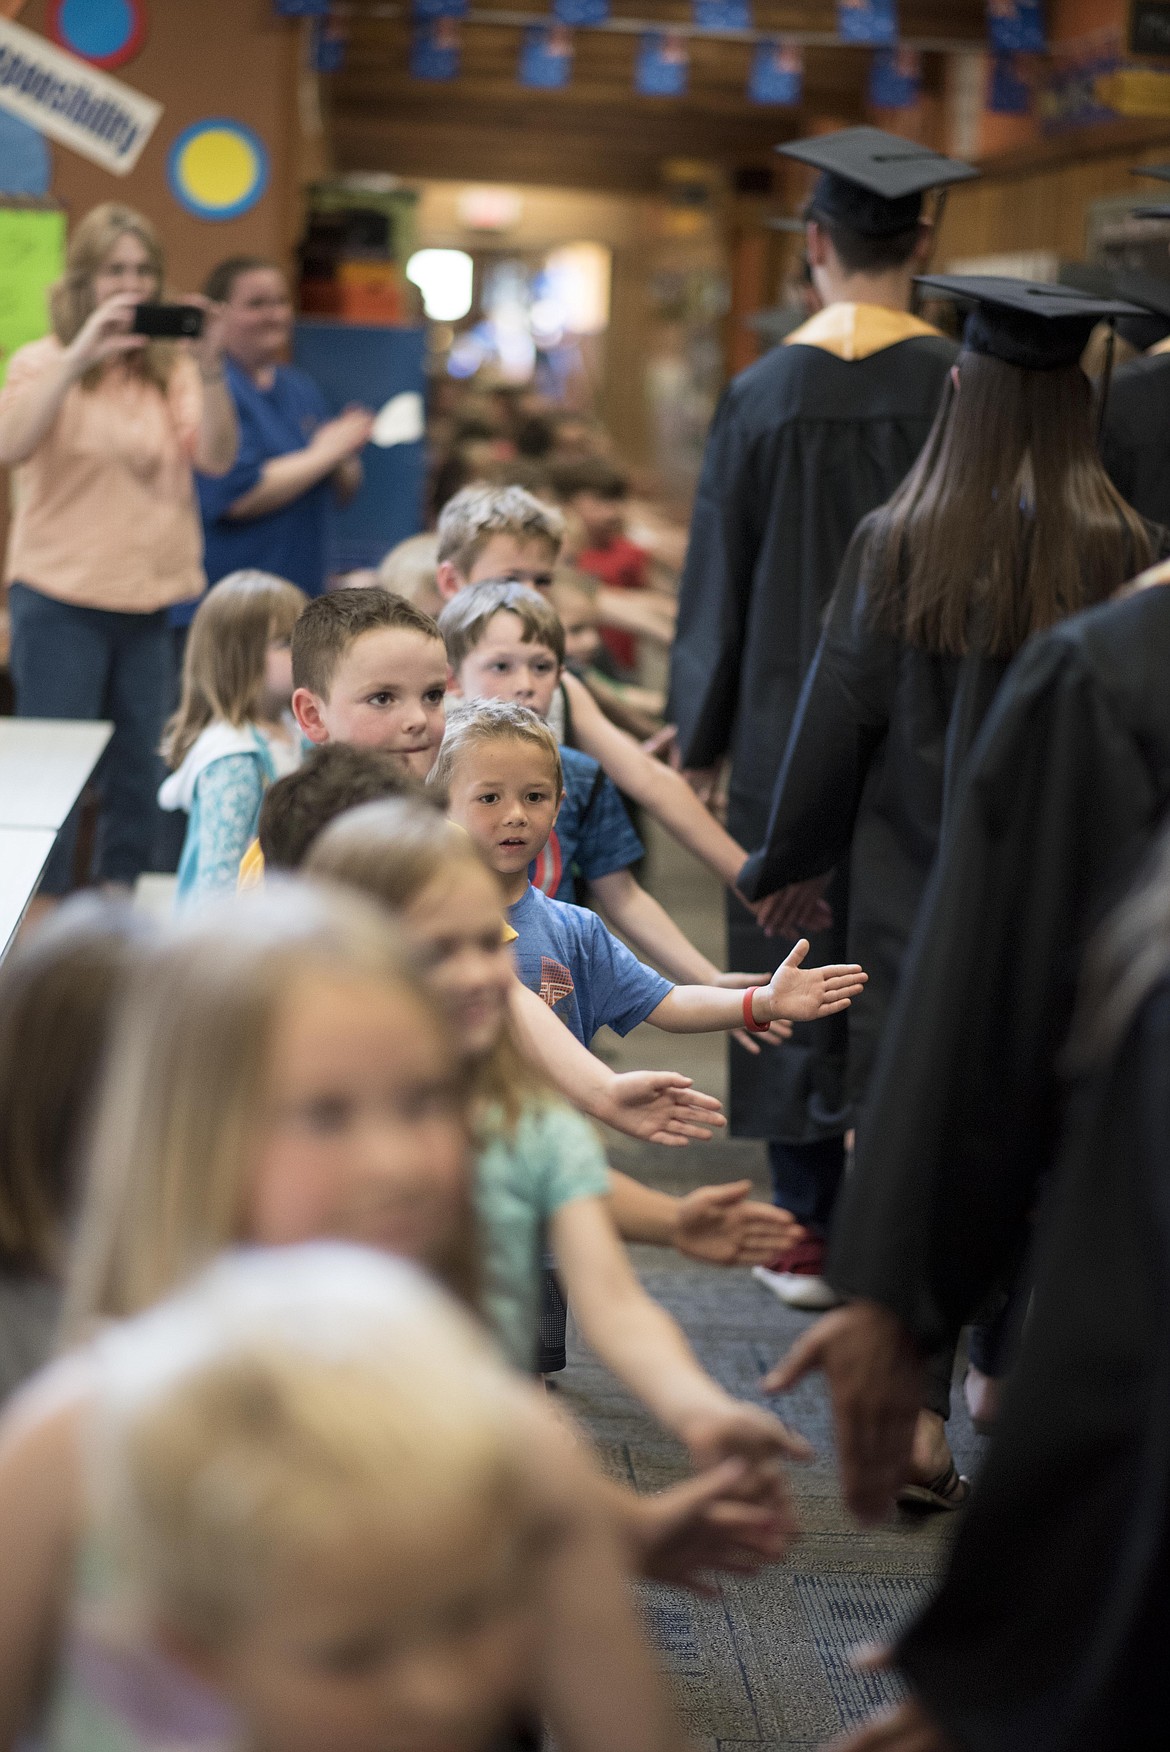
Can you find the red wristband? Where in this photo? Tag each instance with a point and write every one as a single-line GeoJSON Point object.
{"type": "Point", "coordinates": [749, 1021]}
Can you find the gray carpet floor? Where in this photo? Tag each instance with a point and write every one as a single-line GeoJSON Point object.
{"type": "Point", "coordinates": [765, 1666]}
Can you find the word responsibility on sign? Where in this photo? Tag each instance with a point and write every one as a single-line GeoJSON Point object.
{"type": "Point", "coordinates": [72, 102]}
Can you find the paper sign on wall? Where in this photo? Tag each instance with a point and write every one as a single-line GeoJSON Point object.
{"type": "Point", "coordinates": [1016, 26]}
{"type": "Point", "coordinates": [32, 256]}
{"type": "Point", "coordinates": [1009, 92]}
{"type": "Point", "coordinates": [662, 64]}
{"type": "Point", "coordinates": [777, 73]}
{"type": "Point", "coordinates": [895, 79]}
{"type": "Point", "coordinates": [868, 21]}
{"type": "Point", "coordinates": [85, 109]}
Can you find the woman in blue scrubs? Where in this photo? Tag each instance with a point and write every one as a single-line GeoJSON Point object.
{"type": "Point", "coordinates": [270, 511]}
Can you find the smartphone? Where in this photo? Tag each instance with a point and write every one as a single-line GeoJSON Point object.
{"type": "Point", "coordinates": [168, 322]}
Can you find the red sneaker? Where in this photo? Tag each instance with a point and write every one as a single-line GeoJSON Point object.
{"type": "Point", "coordinates": [795, 1276]}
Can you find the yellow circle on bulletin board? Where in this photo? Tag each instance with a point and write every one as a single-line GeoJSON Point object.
{"type": "Point", "coordinates": [218, 169]}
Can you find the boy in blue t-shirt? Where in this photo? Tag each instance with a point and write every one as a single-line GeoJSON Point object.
{"type": "Point", "coordinates": [505, 641]}
{"type": "Point", "coordinates": [501, 769]}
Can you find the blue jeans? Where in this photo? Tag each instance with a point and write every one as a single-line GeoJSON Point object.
{"type": "Point", "coordinates": [806, 1179]}
{"type": "Point", "coordinates": [71, 662]}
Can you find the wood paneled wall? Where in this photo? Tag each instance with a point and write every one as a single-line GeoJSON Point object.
{"type": "Point", "coordinates": [1038, 199]}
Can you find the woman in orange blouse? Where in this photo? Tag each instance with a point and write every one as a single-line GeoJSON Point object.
{"type": "Point", "coordinates": [103, 430]}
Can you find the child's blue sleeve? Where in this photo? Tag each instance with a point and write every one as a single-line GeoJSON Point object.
{"type": "Point", "coordinates": [623, 991]}
{"type": "Point", "coordinates": [229, 794]}
{"type": "Point", "coordinates": [606, 840]}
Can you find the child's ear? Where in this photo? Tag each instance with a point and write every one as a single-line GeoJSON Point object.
{"type": "Point", "coordinates": [453, 684]}
{"type": "Point", "coordinates": [306, 709]}
{"type": "Point", "coordinates": [447, 580]}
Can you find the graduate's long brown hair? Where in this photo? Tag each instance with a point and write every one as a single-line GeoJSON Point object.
{"type": "Point", "coordinates": [1007, 522]}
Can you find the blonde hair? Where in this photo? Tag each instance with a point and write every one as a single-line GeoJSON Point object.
{"type": "Point", "coordinates": [409, 570]}
{"type": "Point", "coordinates": [472, 726]}
{"type": "Point", "coordinates": [468, 521]}
{"type": "Point", "coordinates": [468, 615]}
{"type": "Point", "coordinates": [58, 992]}
{"type": "Point", "coordinates": [72, 301]}
{"type": "Point", "coordinates": [171, 1149]}
{"type": "Point", "coordinates": [392, 851]}
{"type": "Point", "coordinates": [295, 1404]}
{"type": "Point", "coordinates": [224, 664]}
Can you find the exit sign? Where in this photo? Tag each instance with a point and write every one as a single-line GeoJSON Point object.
{"type": "Point", "coordinates": [1149, 27]}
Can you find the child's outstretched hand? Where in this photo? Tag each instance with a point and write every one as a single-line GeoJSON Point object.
{"type": "Point", "coordinates": [727, 1428]}
{"type": "Point", "coordinates": [684, 1533]}
{"type": "Point", "coordinates": [802, 994]}
{"type": "Point", "coordinates": [660, 1107]}
{"type": "Point", "coordinates": [723, 1225]}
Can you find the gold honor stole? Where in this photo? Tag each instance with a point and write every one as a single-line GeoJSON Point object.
{"type": "Point", "coordinates": [855, 331]}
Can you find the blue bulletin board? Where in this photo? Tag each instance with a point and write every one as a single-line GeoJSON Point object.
{"type": "Point", "coordinates": [357, 362]}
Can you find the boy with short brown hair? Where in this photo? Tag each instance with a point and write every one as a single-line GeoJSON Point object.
{"type": "Point", "coordinates": [332, 779]}
{"type": "Point", "coordinates": [370, 669]}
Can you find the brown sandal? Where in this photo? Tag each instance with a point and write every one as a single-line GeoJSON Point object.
{"type": "Point", "coordinates": [949, 1490]}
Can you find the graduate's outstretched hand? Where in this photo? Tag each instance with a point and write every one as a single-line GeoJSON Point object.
{"type": "Point", "coordinates": [703, 1525]}
{"type": "Point", "coordinates": [802, 994]}
{"type": "Point", "coordinates": [799, 907]}
{"type": "Point", "coordinates": [724, 1225]}
{"type": "Point", "coordinates": [906, 1727]}
{"type": "Point", "coordinates": [875, 1377]}
{"type": "Point", "coordinates": [660, 1107]}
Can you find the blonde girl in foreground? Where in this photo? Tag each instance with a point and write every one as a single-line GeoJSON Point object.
{"type": "Point", "coordinates": [243, 1437]}
{"type": "Point", "coordinates": [280, 1075]}
{"type": "Point", "coordinates": [539, 1166]}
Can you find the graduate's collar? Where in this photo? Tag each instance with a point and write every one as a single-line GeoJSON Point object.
{"type": "Point", "coordinates": [855, 331]}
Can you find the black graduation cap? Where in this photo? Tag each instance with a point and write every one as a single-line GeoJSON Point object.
{"type": "Point", "coordinates": [1031, 323]}
{"type": "Point", "coordinates": [872, 182]}
{"type": "Point", "coordinates": [1152, 292]}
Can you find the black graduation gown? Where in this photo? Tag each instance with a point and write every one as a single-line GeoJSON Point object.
{"type": "Point", "coordinates": [1062, 794]}
{"type": "Point", "coordinates": [1048, 1633]}
{"type": "Point", "coordinates": [881, 732]}
{"type": "Point", "coordinates": [1135, 443]}
{"type": "Point", "coordinates": [804, 444]}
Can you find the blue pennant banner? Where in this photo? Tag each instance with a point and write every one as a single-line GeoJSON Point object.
{"type": "Point", "coordinates": [329, 43]}
{"type": "Point", "coordinates": [895, 79]}
{"type": "Point", "coordinates": [580, 11]}
{"type": "Point", "coordinates": [662, 66]}
{"type": "Point", "coordinates": [1016, 27]}
{"type": "Point", "coordinates": [1009, 91]}
{"type": "Point", "coordinates": [868, 21]}
{"type": "Point", "coordinates": [777, 74]}
{"type": "Point", "coordinates": [440, 8]}
{"type": "Point", "coordinates": [723, 14]}
{"type": "Point", "coordinates": [434, 50]}
{"type": "Point", "coordinates": [546, 57]}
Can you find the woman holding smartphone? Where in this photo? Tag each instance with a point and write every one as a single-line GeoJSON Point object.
{"type": "Point", "coordinates": [104, 429]}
